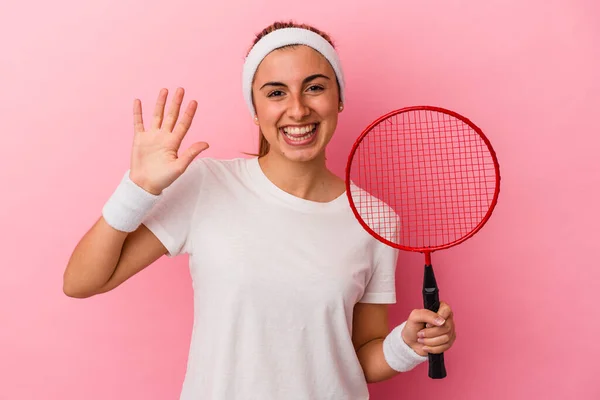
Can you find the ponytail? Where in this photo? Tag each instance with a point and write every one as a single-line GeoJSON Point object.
{"type": "Point", "coordinates": [263, 145]}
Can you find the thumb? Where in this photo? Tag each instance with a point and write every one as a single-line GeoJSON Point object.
{"type": "Point", "coordinates": [420, 318]}
{"type": "Point", "coordinates": [186, 158]}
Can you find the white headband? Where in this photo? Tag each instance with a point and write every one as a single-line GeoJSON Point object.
{"type": "Point", "coordinates": [283, 37]}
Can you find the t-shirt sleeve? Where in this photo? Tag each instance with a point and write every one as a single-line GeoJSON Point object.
{"type": "Point", "coordinates": [170, 220]}
{"type": "Point", "coordinates": [381, 288]}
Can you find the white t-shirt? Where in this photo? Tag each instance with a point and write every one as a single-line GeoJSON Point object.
{"type": "Point", "coordinates": [275, 281]}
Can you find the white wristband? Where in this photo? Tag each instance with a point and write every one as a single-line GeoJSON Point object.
{"type": "Point", "coordinates": [128, 205]}
{"type": "Point", "coordinates": [400, 356]}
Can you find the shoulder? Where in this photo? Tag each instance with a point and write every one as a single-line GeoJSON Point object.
{"type": "Point", "coordinates": [376, 208]}
{"type": "Point", "coordinates": [376, 213]}
{"type": "Point", "coordinates": [219, 164]}
{"type": "Point", "coordinates": [205, 172]}
{"type": "Point", "coordinates": [209, 167]}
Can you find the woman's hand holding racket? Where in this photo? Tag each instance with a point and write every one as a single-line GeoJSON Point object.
{"type": "Point", "coordinates": [426, 333]}
{"type": "Point", "coordinates": [155, 162]}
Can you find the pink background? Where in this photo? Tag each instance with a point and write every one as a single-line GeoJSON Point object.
{"type": "Point", "coordinates": [524, 289]}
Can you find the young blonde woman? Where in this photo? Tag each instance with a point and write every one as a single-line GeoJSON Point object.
{"type": "Point", "coordinates": [290, 293]}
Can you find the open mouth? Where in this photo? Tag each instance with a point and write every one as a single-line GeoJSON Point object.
{"type": "Point", "coordinates": [299, 135]}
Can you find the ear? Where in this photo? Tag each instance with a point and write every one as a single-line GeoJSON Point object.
{"type": "Point", "coordinates": [341, 107]}
{"type": "Point", "coordinates": [256, 120]}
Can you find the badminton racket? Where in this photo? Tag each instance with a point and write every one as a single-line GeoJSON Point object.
{"type": "Point", "coordinates": [423, 179]}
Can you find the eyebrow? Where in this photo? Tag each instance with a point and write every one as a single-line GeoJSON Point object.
{"type": "Point", "coordinates": [305, 81]}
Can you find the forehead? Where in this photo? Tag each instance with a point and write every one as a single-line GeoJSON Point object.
{"type": "Point", "coordinates": [292, 64]}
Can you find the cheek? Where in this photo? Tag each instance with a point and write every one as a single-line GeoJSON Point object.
{"type": "Point", "coordinates": [268, 110]}
{"type": "Point", "coordinates": [327, 105]}
{"type": "Point", "coordinates": [329, 112]}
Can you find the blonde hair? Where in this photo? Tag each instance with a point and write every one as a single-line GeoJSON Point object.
{"type": "Point", "coordinates": [263, 144]}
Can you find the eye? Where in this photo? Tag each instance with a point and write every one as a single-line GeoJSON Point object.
{"type": "Point", "coordinates": [275, 93]}
{"type": "Point", "coordinates": [314, 88]}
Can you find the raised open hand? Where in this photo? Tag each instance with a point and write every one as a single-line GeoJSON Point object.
{"type": "Point", "coordinates": [155, 162]}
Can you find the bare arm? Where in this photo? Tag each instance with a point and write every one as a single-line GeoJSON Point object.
{"type": "Point", "coordinates": [105, 257]}
{"type": "Point", "coordinates": [370, 327]}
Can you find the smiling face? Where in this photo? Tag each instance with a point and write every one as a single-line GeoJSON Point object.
{"type": "Point", "coordinates": [296, 98]}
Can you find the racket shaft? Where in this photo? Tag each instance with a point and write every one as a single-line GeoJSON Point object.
{"type": "Point", "coordinates": [431, 301]}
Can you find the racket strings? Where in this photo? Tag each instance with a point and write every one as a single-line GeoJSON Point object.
{"type": "Point", "coordinates": [434, 174]}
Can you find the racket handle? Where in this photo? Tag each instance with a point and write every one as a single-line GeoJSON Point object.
{"type": "Point", "coordinates": [431, 301]}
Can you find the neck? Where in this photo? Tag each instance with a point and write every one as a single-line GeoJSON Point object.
{"type": "Point", "coordinates": [308, 180]}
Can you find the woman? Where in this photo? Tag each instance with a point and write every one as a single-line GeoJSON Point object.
{"type": "Point", "coordinates": [290, 293]}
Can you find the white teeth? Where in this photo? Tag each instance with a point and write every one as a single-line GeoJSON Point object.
{"type": "Point", "coordinates": [299, 138]}
{"type": "Point", "coordinates": [304, 133]}
{"type": "Point", "coordinates": [299, 130]}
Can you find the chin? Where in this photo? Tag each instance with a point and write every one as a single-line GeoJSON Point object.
{"type": "Point", "coordinates": [302, 158]}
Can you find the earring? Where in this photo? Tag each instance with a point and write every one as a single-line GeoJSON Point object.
{"type": "Point", "coordinates": [341, 107]}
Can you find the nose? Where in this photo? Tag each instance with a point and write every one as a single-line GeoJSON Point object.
{"type": "Point", "coordinates": [297, 108]}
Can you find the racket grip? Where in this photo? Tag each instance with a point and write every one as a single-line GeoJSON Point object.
{"type": "Point", "coordinates": [431, 301]}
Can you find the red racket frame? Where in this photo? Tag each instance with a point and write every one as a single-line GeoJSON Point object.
{"type": "Point", "coordinates": [430, 290]}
